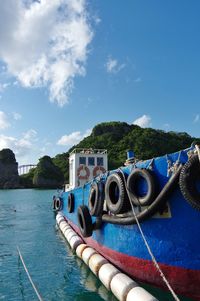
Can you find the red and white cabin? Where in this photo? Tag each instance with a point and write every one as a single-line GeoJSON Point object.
{"type": "Point", "coordinates": [85, 164]}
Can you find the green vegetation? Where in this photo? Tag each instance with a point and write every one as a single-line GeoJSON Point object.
{"type": "Point", "coordinates": [61, 161]}
{"type": "Point", "coordinates": [117, 138]}
{"type": "Point", "coordinates": [47, 174]}
{"type": "Point", "coordinates": [9, 177]}
{"type": "Point", "coordinates": [7, 156]}
{"type": "Point", "coordinates": [26, 180]}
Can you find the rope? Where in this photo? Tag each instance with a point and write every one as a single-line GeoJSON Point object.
{"type": "Point", "coordinates": [29, 277]}
{"type": "Point", "coordinates": [148, 247]}
{"type": "Point", "coordinates": [179, 156]}
{"type": "Point", "coordinates": [198, 151]}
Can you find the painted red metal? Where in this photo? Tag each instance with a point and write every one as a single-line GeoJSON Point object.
{"type": "Point", "coordinates": [185, 282]}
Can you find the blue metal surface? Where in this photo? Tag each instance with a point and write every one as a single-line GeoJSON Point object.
{"type": "Point", "coordinates": [169, 238]}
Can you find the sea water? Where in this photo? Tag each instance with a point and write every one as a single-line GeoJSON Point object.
{"type": "Point", "coordinates": [27, 222]}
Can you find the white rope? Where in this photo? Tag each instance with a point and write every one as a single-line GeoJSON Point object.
{"type": "Point", "coordinates": [198, 151]}
{"type": "Point", "coordinates": [148, 247]}
{"type": "Point", "coordinates": [153, 258]}
{"type": "Point", "coordinates": [29, 277]}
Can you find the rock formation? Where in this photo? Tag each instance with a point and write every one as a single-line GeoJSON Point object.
{"type": "Point", "coordinates": [47, 175]}
{"type": "Point", "coordinates": [9, 177]}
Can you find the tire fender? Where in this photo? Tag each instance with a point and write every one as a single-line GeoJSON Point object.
{"type": "Point", "coordinates": [188, 180]}
{"type": "Point", "coordinates": [70, 203]}
{"type": "Point", "coordinates": [133, 183]}
{"type": "Point", "coordinates": [96, 198]}
{"type": "Point", "coordinates": [115, 194]}
{"type": "Point", "coordinates": [84, 221]}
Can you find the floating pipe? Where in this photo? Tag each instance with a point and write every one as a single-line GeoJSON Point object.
{"type": "Point", "coordinates": [106, 274]}
{"type": "Point", "coordinates": [75, 241]}
{"type": "Point", "coordinates": [80, 250]}
{"type": "Point", "coordinates": [122, 286]}
{"type": "Point", "coordinates": [96, 261]}
{"type": "Point", "coordinates": [139, 292]}
{"type": "Point", "coordinates": [87, 253]}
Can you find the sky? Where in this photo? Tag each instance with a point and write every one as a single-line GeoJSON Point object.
{"type": "Point", "coordinates": [67, 65]}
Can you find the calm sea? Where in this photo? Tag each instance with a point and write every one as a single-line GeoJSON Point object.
{"type": "Point", "coordinates": [26, 220]}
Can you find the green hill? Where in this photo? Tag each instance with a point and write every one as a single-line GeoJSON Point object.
{"type": "Point", "coordinates": [118, 137]}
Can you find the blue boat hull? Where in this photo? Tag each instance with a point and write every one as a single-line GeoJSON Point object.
{"type": "Point", "coordinates": [172, 235]}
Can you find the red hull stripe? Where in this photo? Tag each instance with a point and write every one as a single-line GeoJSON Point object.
{"type": "Point", "coordinates": [185, 282]}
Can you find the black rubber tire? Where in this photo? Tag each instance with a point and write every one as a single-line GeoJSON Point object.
{"type": "Point", "coordinates": [54, 203]}
{"type": "Point", "coordinates": [58, 204]}
{"type": "Point", "coordinates": [84, 221]}
{"type": "Point", "coordinates": [189, 176]}
{"type": "Point", "coordinates": [70, 203]}
{"type": "Point", "coordinates": [96, 199]}
{"type": "Point", "coordinates": [149, 211]}
{"type": "Point", "coordinates": [132, 183]}
{"type": "Point", "coordinates": [116, 204]}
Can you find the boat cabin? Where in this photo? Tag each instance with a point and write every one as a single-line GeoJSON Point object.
{"type": "Point", "coordinates": [85, 164]}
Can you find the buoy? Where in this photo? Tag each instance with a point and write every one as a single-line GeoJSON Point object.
{"type": "Point", "coordinates": [87, 253]}
{"type": "Point", "coordinates": [59, 214]}
{"type": "Point", "coordinates": [70, 235]}
{"type": "Point", "coordinates": [106, 274]}
{"type": "Point", "coordinates": [59, 218]}
{"type": "Point", "coordinates": [120, 285]}
{"type": "Point", "coordinates": [140, 294]}
{"type": "Point", "coordinates": [63, 226]}
{"type": "Point", "coordinates": [80, 250]}
{"type": "Point", "coordinates": [95, 263]}
{"type": "Point", "coordinates": [67, 227]}
{"type": "Point", "coordinates": [75, 241]}
{"type": "Point", "coordinates": [67, 231]}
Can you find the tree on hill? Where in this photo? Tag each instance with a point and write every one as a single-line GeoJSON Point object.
{"type": "Point", "coordinates": [61, 161]}
{"type": "Point", "coordinates": [7, 156]}
{"type": "Point", "coordinates": [47, 174]}
{"type": "Point", "coordinates": [118, 137]}
{"type": "Point", "coordinates": [9, 177]}
{"type": "Point", "coordinates": [26, 180]}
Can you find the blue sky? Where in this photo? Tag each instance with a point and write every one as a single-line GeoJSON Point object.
{"type": "Point", "coordinates": [66, 65]}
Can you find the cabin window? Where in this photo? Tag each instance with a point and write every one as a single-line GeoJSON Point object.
{"type": "Point", "coordinates": [91, 161]}
{"type": "Point", "coordinates": [82, 160]}
{"type": "Point", "coordinates": [100, 161]}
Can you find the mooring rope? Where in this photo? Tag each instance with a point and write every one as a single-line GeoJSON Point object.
{"type": "Point", "coordinates": [147, 245]}
{"type": "Point", "coordinates": [198, 151]}
{"type": "Point", "coordinates": [29, 277]}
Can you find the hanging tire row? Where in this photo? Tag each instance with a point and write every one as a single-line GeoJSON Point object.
{"type": "Point", "coordinates": [110, 201]}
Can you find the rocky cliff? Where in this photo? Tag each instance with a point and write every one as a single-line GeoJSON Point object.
{"type": "Point", "coordinates": [47, 175]}
{"type": "Point", "coordinates": [9, 177]}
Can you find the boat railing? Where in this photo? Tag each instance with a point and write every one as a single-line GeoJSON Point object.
{"type": "Point", "coordinates": [88, 151]}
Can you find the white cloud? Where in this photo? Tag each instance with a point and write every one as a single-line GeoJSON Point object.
{"type": "Point", "coordinates": [22, 147]}
{"type": "Point", "coordinates": [3, 86]}
{"type": "Point", "coordinates": [30, 134]}
{"type": "Point", "coordinates": [4, 123]}
{"type": "Point", "coordinates": [17, 116]}
{"type": "Point", "coordinates": [143, 121]}
{"type": "Point", "coordinates": [196, 119]}
{"type": "Point", "coordinates": [50, 41]}
{"type": "Point", "coordinates": [113, 66]}
{"type": "Point", "coordinates": [138, 80]}
{"type": "Point", "coordinates": [73, 138]}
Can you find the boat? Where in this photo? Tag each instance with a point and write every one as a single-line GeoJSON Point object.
{"type": "Point", "coordinates": [144, 217]}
